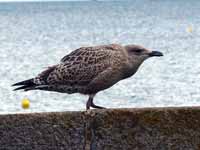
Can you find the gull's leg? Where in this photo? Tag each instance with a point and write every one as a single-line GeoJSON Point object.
{"type": "Point", "coordinates": [91, 104]}
{"type": "Point", "coordinates": [95, 106]}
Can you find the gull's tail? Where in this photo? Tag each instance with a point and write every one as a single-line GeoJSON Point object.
{"type": "Point", "coordinates": [37, 83]}
{"type": "Point", "coordinates": [25, 85]}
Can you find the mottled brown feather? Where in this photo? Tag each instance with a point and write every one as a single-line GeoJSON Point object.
{"type": "Point", "coordinates": [84, 67]}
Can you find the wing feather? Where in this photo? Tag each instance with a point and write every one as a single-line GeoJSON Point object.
{"type": "Point", "coordinates": [81, 66]}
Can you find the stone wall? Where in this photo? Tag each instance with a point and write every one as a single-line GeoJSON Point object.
{"type": "Point", "coordinates": [109, 129]}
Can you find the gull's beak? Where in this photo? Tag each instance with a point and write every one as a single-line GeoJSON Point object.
{"type": "Point", "coordinates": [155, 53]}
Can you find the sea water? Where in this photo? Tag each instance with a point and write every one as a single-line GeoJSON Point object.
{"type": "Point", "coordinates": [36, 35]}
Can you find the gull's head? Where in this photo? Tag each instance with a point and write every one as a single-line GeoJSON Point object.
{"type": "Point", "coordinates": [138, 53]}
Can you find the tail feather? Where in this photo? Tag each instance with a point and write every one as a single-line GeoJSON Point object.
{"type": "Point", "coordinates": [24, 84]}
{"type": "Point", "coordinates": [38, 83]}
{"type": "Point", "coordinates": [21, 87]}
{"type": "Point", "coordinates": [39, 87]}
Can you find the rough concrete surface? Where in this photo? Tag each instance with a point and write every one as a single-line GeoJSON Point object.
{"type": "Point", "coordinates": [109, 129]}
{"type": "Point", "coordinates": [45, 131]}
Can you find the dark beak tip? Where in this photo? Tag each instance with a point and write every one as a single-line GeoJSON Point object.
{"type": "Point", "coordinates": [161, 54]}
{"type": "Point", "coordinates": [156, 53]}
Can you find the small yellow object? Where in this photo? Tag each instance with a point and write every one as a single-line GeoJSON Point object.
{"type": "Point", "coordinates": [25, 103]}
{"type": "Point", "coordinates": [189, 29]}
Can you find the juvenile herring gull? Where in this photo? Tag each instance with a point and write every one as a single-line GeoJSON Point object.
{"type": "Point", "coordinates": [88, 70]}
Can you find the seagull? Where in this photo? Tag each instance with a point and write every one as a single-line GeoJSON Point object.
{"type": "Point", "coordinates": [89, 70]}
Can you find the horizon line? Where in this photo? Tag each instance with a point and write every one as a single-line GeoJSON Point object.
{"type": "Point", "coordinates": [9, 1]}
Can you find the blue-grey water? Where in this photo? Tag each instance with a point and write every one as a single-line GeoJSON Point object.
{"type": "Point", "coordinates": [36, 35]}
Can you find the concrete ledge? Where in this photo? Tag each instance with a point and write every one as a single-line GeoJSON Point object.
{"type": "Point", "coordinates": [109, 129]}
{"type": "Point", "coordinates": [42, 131]}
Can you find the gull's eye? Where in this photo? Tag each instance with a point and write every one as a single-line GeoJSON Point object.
{"type": "Point", "coordinates": [138, 50]}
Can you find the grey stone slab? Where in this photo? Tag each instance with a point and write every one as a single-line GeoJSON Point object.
{"type": "Point", "coordinates": [109, 129]}
{"type": "Point", "coordinates": [145, 129]}
{"type": "Point", "coordinates": [42, 131]}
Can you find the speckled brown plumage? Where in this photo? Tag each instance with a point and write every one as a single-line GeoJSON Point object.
{"type": "Point", "coordinates": [78, 70]}
{"type": "Point", "coordinates": [89, 70]}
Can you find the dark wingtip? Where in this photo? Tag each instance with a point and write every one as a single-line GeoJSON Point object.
{"type": "Point", "coordinates": [26, 82]}
{"type": "Point", "coordinates": [24, 85]}
{"type": "Point", "coordinates": [16, 84]}
{"type": "Point", "coordinates": [21, 88]}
